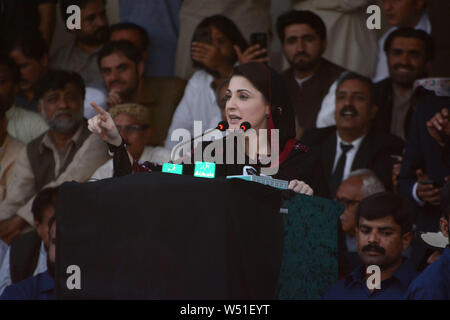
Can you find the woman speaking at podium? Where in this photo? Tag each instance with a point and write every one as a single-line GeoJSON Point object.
{"type": "Point", "coordinates": [255, 96]}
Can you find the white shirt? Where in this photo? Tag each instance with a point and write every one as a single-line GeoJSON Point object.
{"type": "Point", "coordinates": [382, 71]}
{"type": "Point", "coordinates": [350, 154]}
{"type": "Point", "coordinates": [155, 155]}
{"type": "Point", "coordinates": [5, 273]}
{"type": "Point", "coordinates": [198, 104]}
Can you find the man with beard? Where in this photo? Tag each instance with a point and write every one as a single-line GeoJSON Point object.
{"type": "Point", "coordinates": [27, 255]}
{"type": "Point", "coordinates": [409, 54]}
{"type": "Point", "coordinates": [42, 285]}
{"type": "Point", "coordinates": [304, 40]}
{"type": "Point", "coordinates": [352, 144]}
{"type": "Point", "coordinates": [81, 54]}
{"type": "Point", "coordinates": [383, 232]}
{"type": "Point", "coordinates": [65, 152]}
{"type": "Point", "coordinates": [434, 282]}
{"type": "Point", "coordinates": [122, 68]}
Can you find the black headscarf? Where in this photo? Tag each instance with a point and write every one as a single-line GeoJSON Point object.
{"type": "Point", "coordinates": [271, 84]}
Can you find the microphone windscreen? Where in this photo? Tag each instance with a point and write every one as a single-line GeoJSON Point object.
{"type": "Point", "coordinates": [245, 126]}
{"type": "Point", "coordinates": [223, 125]}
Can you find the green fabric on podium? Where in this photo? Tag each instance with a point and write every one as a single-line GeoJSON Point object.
{"type": "Point", "coordinates": [310, 257]}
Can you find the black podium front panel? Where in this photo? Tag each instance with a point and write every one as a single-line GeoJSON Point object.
{"type": "Point", "coordinates": [164, 236]}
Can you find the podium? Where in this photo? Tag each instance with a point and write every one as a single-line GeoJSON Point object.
{"type": "Point", "coordinates": [166, 236]}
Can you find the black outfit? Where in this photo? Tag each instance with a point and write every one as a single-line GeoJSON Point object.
{"type": "Point", "coordinates": [373, 153]}
{"type": "Point", "coordinates": [307, 98]}
{"type": "Point", "coordinates": [24, 256]}
{"type": "Point", "coordinates": [423, 152]}
{"type": "Point", "coordinates": [384, 99]}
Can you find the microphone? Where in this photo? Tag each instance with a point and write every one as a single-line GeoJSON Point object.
{"type": "Point", "coordinates": [245, 126]}
{"type": "Point", "coordinates": [221, 126]}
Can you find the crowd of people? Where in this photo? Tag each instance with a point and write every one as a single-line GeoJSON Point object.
{"type": "Point", "coordinates": [362, 121]}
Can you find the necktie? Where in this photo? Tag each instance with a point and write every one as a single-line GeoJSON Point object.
{"type": "Point", "coordinates": [336, 178]}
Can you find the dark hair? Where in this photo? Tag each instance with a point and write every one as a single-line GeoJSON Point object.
{"type": "Point", "coordinates": [132, 26]}
{"type": "Point", "coordinates": [29, 42]}
{"type": "Point", "coordinates": [407, 32]}
{"type": "Point", "coordinates": [44, 199]}
{"type": "Point", "coordinates": [13, 68]}
{"type": "Point", "coordinates": [64, 4]}
{"type": "Point", "coordinates": [384, 204]}
{"type": "Point", "coordinates": [227, 27]}
{"type": "Point", "coordinates": [301, 17]}
{"type": "Point", "coordinates": [345, 76]}
{"type": "Point", "coordinates": [125, 47]}
{"type": "Point", "coordinates": [57, 80]}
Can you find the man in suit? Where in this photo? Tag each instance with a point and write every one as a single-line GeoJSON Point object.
{"type": "Point", "coordinates": [351, 144]}
{"type": "Point", "coordinates": [424, 170]}
{"type": "Point", "coordinates": [409, 53]}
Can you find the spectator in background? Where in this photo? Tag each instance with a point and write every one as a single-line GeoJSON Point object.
{"type": "Point", "coordinates": [122, 69]}
{"type": "Point", "coordinates": [434, 282]}
{"type": "Point", "coordinates": [27, 255]}
{"type": "Point", "coordinates": [214, 57]}
{"type": "Point", "coordinates": [400, 13]}
{"type": "Point", "coordinates": [160, 22]}
{"type": "Point", "coordinates": [409, 53]}
{"type": "Point", "coordinates": [28, 16]}
{"type": "Point", "coordinates": [350, 43]}
{"type": "Point", "coordinates": [360, 184]}
{"type": "Point", "coordinates": [384, 231]}
{"type": "Point", "coordinates": [424, 167]}
{"type": "Point", "coordinates": [21, 124]}
{"type": "Point", "coordinates": [29, 51]}
{"type": "Point", "coordinates": [42, 285]}
{"type": "Point", "coordinates": [304, 39]}
{"type": "Point", "coordinates": [133, 123]}
{"type": "Point", "coordinates": [81, 55]}
{"type": "Point", "coordinates": [249, 16]}
{"type": "Point", "coordinates": [65, 152]}
{"type": "Point", "coordinates": [352, 144]}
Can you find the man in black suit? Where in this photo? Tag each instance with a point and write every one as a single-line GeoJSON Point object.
{"type": "Point", "coordinates": [351, 144]}
{"type": "Point", "coordinates": [424, 170]}
{"type": "Point", "coordinates": [409, 53]}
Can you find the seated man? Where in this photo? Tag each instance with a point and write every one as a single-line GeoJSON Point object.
{"type": "Point", "coordinates": [42, 285]}
{"type": "Point", "coordinates": [360, 184]}
{"type": "Point", "coordinates": [29, 51]}
{"type": "Point", "coordinates": [351, 144]}
{"type": "Point", "coordinates": [27, 255]}
{"type": "Point", "coordinates": [80, 55]}
{"type": "Point", "coordinates": [133, 123]}
{"type": "Point", "coordinates": [21, 124]}
{"type": "Point", "coordinates": [434, 281]}
{"type": "Point", "coordinates": [384, 231]}
{"type": "Point", "coordinates": [66, 152]}
{"type": "Point", "coordinates": [122, 69]}
{"type": "Point", "coordinates": [9, 147]}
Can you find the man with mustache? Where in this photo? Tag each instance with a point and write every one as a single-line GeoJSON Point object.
{"type": "Point", "coordinates": [81, 54]}
{"type": "Point", "coordinates": [65, 152]}
{"type": "Point", "coordinates": [352, 144]}
{"type": "Point", "coordinates": [400, 13]}
{"type": "Point", "coordinates": [384, 232]}
{"type": "Point", "coordinates": [303, 37]}
{"type": "Point", "coordinates": [409, 54]}
{"type": "Point", "coordinates": [122, 68]}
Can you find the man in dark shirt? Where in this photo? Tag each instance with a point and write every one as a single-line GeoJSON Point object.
{"type": "Point", "coordinates": [434, 282]}
{"type": "Point", "coordinates": [384, 231]}
{"type": "Point", "coordinates": [41, 286]}
{"type": "Point", "coordinates": [304, 40]}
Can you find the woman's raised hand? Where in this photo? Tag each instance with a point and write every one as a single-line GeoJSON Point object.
{"type": "Point", "coordinates": [103, 125]}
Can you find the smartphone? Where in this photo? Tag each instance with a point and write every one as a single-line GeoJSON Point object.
{"type": "Point", "coordinates": [261, 39]}
{"type": "Point", "coordinates": [202, 35]}
{"type": "Point", "coordinates": [426, 182]}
